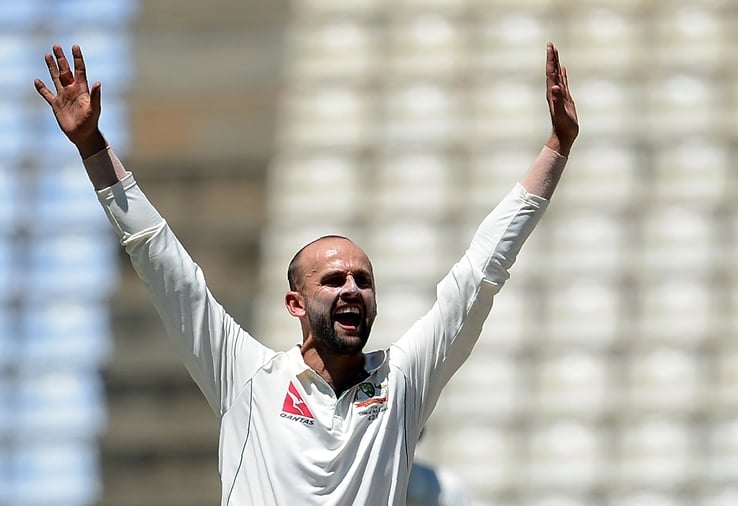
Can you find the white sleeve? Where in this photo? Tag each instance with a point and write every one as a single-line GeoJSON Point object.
{"type": "Point", "coordinates": [219, 355]}
{"type": "Point", "coordinates": [436, 346]}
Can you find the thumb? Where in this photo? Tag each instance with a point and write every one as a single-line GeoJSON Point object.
{"type": "Point", "coordinates": [95, 96]}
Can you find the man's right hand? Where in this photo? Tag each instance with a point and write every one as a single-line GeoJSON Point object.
{"type": "Point", "coordinates": [75, 106]}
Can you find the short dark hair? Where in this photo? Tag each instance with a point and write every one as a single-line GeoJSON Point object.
{"type": "Point", "coordinates": [293, 270]}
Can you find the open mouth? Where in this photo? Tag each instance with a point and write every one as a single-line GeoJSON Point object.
{"type": "Point", "coordinates": [348, 317]}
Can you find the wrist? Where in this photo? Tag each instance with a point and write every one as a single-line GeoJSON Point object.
{"type": "Point", "coordinates": [562, 147]}
{"type": "Point", "coordinates": [89, 145]}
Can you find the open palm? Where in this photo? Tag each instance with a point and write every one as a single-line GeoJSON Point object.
{"type": "Point", "coordinates": [560, 102]}
{"type": "Point", "coordinates": [75, 106]}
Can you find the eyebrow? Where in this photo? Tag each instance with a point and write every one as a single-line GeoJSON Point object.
{"type": "Point", "coordinates": [339, 272]}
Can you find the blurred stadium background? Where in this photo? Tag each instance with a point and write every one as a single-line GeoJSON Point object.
{"type": "Point", "coordinates": [608, 372]}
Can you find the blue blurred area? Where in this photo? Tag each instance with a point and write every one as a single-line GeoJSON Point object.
{"type": "Point", "coordinates": [57, 256]}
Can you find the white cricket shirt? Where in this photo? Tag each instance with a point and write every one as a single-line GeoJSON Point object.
{"type": "Point", "coordinates": [285, 438]}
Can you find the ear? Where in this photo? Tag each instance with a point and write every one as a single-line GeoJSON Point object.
{"type": "Point", "coordinates": [294, 303]}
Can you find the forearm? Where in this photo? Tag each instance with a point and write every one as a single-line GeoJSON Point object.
{"type": "Point", "coordinates": [501, 235]}
{"type": "Point", "coordinates": [544, 174]}
{"type": "Point", "coordinates": [103, 168]}
{"type": "Point", "coordinates": [436, 346]}
{"type": "Point", "coordinates": [193, 319]}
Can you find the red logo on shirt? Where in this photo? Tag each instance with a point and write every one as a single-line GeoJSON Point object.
{"type": "Point", "coordinates": [294, 405]}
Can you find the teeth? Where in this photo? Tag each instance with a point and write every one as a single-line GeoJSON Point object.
{"type": "Point", "coordinates": [348, 309]}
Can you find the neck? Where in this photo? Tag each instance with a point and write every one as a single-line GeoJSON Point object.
{"type": "Point", "coordinates": [339, 371]}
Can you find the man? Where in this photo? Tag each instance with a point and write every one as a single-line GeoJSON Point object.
{"type": "Point", "coordinates": [325, 422]}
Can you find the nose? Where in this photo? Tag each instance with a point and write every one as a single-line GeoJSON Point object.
{"type": "Point", "coordinates": [349, 289]}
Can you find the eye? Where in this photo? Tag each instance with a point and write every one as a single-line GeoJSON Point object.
{"type": "Point", "coordinates": [334, 279]}
{"type": "Point", "coordinates": [363, 281]}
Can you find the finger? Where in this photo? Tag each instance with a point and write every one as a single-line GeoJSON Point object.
{"type": "Point", "coordinates": [80, 72]}
{"type": "Point", "coordinates": [43, 91]}
{"type": "Point", "coordinates": [65, 73]}
{"type": "Point", "coordinates": [95, 96]}
{"type": "Point", "coordinates": [53, 71]}
{"type": "Point", "coordinates": [559, 102]}
{"type": "Point", "coordinates": [565, 82]}
{"type": "Point", "coordinates": [549, 60]}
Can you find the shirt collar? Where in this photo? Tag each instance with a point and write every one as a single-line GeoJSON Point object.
{"type": "Point", "coordinates": [372, 360]}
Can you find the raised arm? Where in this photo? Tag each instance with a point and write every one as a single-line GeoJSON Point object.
{"type": "Point", "coordinates": [544, 174]}
{"type": "Point", "coordinates": [77, 111]}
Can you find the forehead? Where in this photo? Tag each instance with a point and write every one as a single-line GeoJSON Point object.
{"type": "Point", "coordinates": [335, 253]}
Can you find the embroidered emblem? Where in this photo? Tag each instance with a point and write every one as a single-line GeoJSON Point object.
{"type": "Point", "coordinates": [294, 408]}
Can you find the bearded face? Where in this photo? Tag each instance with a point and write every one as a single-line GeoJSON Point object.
{"type": "Point", "coordinates": [341, 328]}
{"type": "Point", "coordinates": [335, 283]}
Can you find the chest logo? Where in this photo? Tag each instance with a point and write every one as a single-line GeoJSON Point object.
{"type": "Point", "coordinates": [294, 408]}
{"type": "Point", "coordinates": [368, 394]}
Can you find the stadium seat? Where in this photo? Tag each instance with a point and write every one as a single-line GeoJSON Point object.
{"type": "Point", "coordinates": [9, 270]}
{"type": "Point", "coordinates": [336, 116]}
{"type": "Point", "coordinates": [342, 50]}
{"type": "Point", "coordinates": [304, 178]}
{"type": "Point", "coordinates": [19, 62]}
{"type": "Point", "coordinates": [15, 128]}
{"type": "Point", "coordinates": [605, 175]}
{"type": "Point", "coordinates": [605, 101]}
{"type": "Point", "coordinates": [487, 5]}
{"type": "Point", "coordinates": [681, 103]}
{"type": "Point", "coordinates": [7, 408]}
{"type": "Point", "coordinates": [307, 9]}
{"type": "Point", "coordinates": [8, 341]}
{"type": "Point", "coordinates": [59, 405]}
{"type": "Point", "coordinates": [421, 114]}
{"type": "Point", "coordinates": [400, 307]}
{"type": "Point", "coordinates": [512, 42]}
{"type": "Point", "coordinates": [408, 251]}
{"type": "Point", "coordinates": [719, 496]}
{"type": "Point", "coordinates": [55, 473]}
{"type": "Point", "coordinates": [596, 244]}
{"type": "Point", "coordinates": [695, 172]}
{"type": "Point", "coordinates": [414, 185]}
{"type": "Point", "coordinates": [92, 14]}
{"type": "Point", "coordinates": [679, 239]}
{"type": "Point", "coordinates": [694, 35]}
{"type": "Point", "coordinates": [604, 38]}
{"type": "Point", "coordinates": [505, 109]}
{"type": "Point", "coordinates": [557, 499]}
{"type": "Point", "coordinates": [65, 334]}
{"type": "Point", "coordinates": [511, 322]}
{"type": "Point", "coordinates": [445, 6]}
{"type": "Point", "coordinates": [495, 451]}
{"type": "Point", "coordinates": [424, 46]}
{"type": "Point", "coordinates": [574, 384]}
{"type": "Point", "coordinates": [498, 386]}
{"type": "Point", "coordinates": [76, 264]}
{"type": "Point", "coordinates": [722, 452]}
{"type": "Point", "coordinates": [677, 310]}
{"type": "Point", "coordinates": [63, 199]}
{"type": "Point", "coordinates": [664, 381]}
{"type": "Point", "coordinates": [724, 397]}
{"type": "Point", "coordinates": [637, 498]}
{"type": "Point", "coordinates": [21, 16]}
{"type": "Point", "coordinates": [493, 170]}
{"type": "Point", "coordinates": [655, 453]}
{"type": "Point", "coordinates": [584, 312]}
{"type": "Point", "coordinates": [566, 455]}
